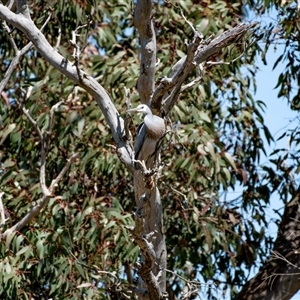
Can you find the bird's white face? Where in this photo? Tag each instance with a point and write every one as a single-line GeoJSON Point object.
{"type": "Point", "coordinates": [142, 108]}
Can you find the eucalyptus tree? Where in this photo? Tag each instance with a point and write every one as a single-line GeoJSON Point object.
{"type": "Point", "coordinates": [84, 216]}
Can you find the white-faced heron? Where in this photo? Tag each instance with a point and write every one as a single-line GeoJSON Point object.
{"type": "Point", "coordinates": [149, 134]}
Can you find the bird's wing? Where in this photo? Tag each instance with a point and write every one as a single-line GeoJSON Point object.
{"type": "Point", "coordinates": [140, 137]}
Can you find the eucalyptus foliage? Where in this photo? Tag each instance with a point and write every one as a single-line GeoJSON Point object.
{"type": "Point", "coordinates": [79, 246]}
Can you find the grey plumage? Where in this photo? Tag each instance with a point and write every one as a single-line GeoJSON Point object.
{"type": "Point", "coordinates": [149, 134]}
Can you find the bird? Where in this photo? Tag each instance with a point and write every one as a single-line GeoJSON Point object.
{"type": "Point", "coordinates": [149, 134]}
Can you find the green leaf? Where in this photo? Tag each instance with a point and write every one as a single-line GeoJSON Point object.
{"type": "Point", "coordinates": [211, 150]}
{"type": "Point", "coordinates": [8, 163]}
{"type": "Point", "coordinates": [23, 250]}
{"type": "Point", "coordinates": [80, 126]}
{"type": "Point", "coordinates": [41, 248]}
{"type": "Point", "coordinates": [5, 133]}
{"type": "Point", "coordinates": [230, 160]}
{"type": "Point", "coordinates": [80, 270]}
{"type": "Point", "coordinates": [204, 116]}
{"type": "Point", "coordinates": [9, 238]}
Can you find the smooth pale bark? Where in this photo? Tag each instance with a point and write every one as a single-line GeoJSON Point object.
{"type": "Point", "coordinates": [143, 22]}
{"type": "Point", "coordinates": [147, 195]}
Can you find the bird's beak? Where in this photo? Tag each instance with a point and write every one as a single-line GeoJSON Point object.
{"type": "Point", "coordinates": [132, 109]}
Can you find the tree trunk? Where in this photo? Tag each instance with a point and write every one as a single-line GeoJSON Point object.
{"type": "Point", "coordinates": [279, 277]}
{"type": "Point", "coordinates": [152, 225]}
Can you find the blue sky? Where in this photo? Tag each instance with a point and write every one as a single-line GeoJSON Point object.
{"type": "Point", "coordinates": [278, 117]}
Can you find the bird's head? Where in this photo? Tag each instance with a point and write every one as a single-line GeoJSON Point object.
{"type": "Point", "coordinates": [142, 108]}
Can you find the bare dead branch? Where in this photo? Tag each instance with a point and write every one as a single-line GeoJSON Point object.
{"type": "Point", "coordinates": [178, 75]}
{"type": "Point", "coordinates": [196, 80]}
{"type": "Point", "coordinates": [186, 68]}
{"type": "Point", "coordinates": [76, 54]}
{"type": "Point", "coordinates": [77, 51]}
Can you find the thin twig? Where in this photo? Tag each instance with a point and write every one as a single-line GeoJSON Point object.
{"type": "Point", "coordinates": [276, 255]}
{"type": "Point", "coordinates": [94, 268]}
{"type": "Point", "coordinates": [10, 38]}
{"type": "Point", "coordinates": [56, 181]}
{"type": "Point", "coordinates": [213, 63]}
{"type": "Point", "coordinates": [44, 188]}
{"type": "Point", "coordinates": [13, 65]}
{"type": "Point", "coordinates": [191, 84]}
{"type": "Point", "coordinates": [179, 193]}
{"type": "Point", "coordinates": [46, 22]}
{"type": "Point", "coordinates": [18, 54]}
{"type": "Point", "coordinates": [58, 37]}
{"type": "Point", "coordinates": [2, 213]}
{"type": "Point", "coordinates": [183, 16]}
{"type": "Point", "coordinates": [87, 25]}
{"type": "Point", "coordinates": [77, 51]}
{"type": "Point", "coordinates": [182, 278]}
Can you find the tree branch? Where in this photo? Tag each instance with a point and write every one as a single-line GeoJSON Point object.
{"type": "Point", "coordinates": [44, 188]}
{"type": "Point", "coordinates": [42, 202]}
{"type": "Point", "coordinates": [201, 50]}
{"type": "Point", "coordinates": [112, 116]}
{"type": "Point", "coordinates": [18, 53]}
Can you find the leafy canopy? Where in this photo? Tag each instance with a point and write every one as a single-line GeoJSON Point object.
{"type": "Point", "coordinates": [79, 247]}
